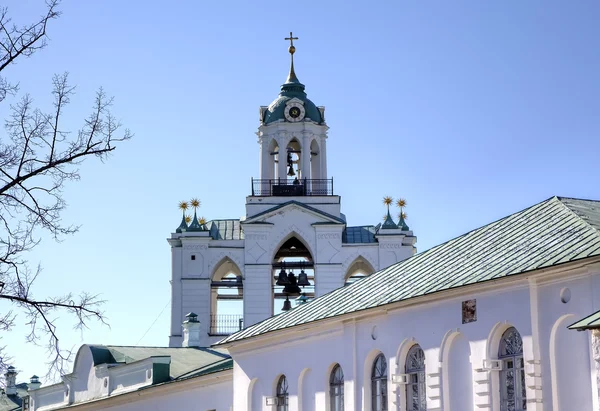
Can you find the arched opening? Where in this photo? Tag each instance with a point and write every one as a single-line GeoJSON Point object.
{"type": "Point", "coordinates": [458, 374]}
{"type": "Point", "coordinates": [293, 159]}
{"type": "Point", "coordinates": [360, 268]}
{"type": "Point", "coordinates": [227, 299]}
{"type": "Point", "coordinates": [293, 275]}
{"type": "Point", "coordinates": [379, 400]}
{"type": "Point", "coordinates": [273, 158]}
{"type": "Point", "coordinates": [336, 389]}
{"type": "Point", "coordinates": [281, 393]}
{"type": "Point", "coordinates": [416, 399]}
{"type": "Point", "coordinates": [512, 375]}
{"type": "Point", "coordinates": [570, 367]}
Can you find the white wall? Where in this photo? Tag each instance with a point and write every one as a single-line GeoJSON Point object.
{"type": "Point", "coordinates": [454, 351]}
{"type": "Point", "coordinates": [203, 398]}
{"type": "Point", "coordinates": [253, 256]}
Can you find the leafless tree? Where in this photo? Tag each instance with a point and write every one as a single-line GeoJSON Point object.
{"type": "Point", "coordinates": [37, 158]}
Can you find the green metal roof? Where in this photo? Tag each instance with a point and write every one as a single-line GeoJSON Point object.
{"type": "Point", "coordinates": [555, 231]}
{"type": "Point", "coordinates": [359, 235]}
{"type": "Point", "coordinates": [590, 322]}
{"type": "Point", "coordinates": [184, 360]}
{"type": "Point", "coordinates": [389, 222]}
{"type": "Point", "coordinates": [225, 229]}
{"type": "Point", "coordinates": [13, 402]}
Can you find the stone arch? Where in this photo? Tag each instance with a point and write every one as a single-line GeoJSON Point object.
{"type": "Point", "coordinates": [226, 293]}
{"type": "Point", "coordinates": [219, 258]}
{"type": "Point", "coordinates": [569, 366]}
{"type": "Point", "coordinates": [293, 231]}
{"type": "Point", "coordinates": [292, 253]}
{"type": "Point", "coordinates": [225, 265]}
{"type": "Point", "coordinates": [350, 259]}
{"type": "Point", "coordinates": [359, 264]}
{"type": "Point", "coordinates": [401, 353]}
{"type": "Point", "coordinates": [493, 340]}
{"type": "Point", "coordinates": [367, 370]}
{"type": "Point", "coordinates": [457, 372]}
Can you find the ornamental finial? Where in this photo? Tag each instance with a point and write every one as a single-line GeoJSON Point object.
{"type": "Point", "coordinates": [292, 76]}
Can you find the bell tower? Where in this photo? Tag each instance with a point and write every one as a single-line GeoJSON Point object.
{"type": "Point", "coordinates": [293, 243]}
{"type": "Point", "coordinates": [292, 137]}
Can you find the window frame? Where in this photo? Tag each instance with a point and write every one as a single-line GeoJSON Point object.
{"type": "Point", "coordinates": [336, 389]}
{"type": "Point", "coordinates": [379, 389]}
{"type": "Point", "coordinates": [510, 353]}
{"type": "Point", "coordinates": [282, 393]}
{"type": "Point", "coordinates": [415, 369]}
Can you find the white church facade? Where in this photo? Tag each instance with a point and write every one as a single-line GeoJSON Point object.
{"type": "Point", "coordinates": [292, 309]}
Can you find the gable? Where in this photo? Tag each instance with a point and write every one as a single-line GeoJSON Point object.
{"type": "Point", "coordinates": [291, 206]}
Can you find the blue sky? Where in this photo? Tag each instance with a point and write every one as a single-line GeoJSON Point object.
{"type": "Point", "coordinates": [470, 110]}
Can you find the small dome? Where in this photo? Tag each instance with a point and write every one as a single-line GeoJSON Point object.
{"type": "Point", "coordinates": [276, 110]}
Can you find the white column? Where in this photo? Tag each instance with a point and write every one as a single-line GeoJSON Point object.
{"type": "Point", "coordinates": [323, 155]}
{"type": "Point", "coordinates": [258, 295]}
{"type": "Point", "coordinates": [176, 310]}
{"type": "Point", "coordinates": [266, 160]}
{"type": "Point", "coordinates": [306, 139]}
{"type": "Point", "coordinates": [282, 166]}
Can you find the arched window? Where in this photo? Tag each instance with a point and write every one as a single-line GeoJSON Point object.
{"type": "Point", "coordinates": [512, 376]}
{"type": "Point", "coordinates": [282, 394]}
{"type": "Point", "coordinates": [379, 384]}
{"type": "Point", "coordinates": [415, 389]}
{"type": "Point", "coordinates": [336, 389]}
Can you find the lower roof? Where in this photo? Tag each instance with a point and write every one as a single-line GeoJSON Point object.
{"type": "Point", "coordinates": [185, 361]}
{"type": "Point", "coordinates": [590, 322]}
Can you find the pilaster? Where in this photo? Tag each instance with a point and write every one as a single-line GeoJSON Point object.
{"type": "Point", "coordinates": [596, 357]}
{"type": "Point", "coordinates": [531, 354]}
{"type": "Point", "coordinates": [328, 259]}
{"type": "Point", "coordinates": [258, 293]}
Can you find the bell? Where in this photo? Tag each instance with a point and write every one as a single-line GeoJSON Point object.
{"type": "Point", "coordinates": [303, 279]}
{"type": "Point", "coordinates": [282, 279]}
{"type": "Point", "coordinates": [292, 287]}
{"type": "Point", "coordinates": [287, 305]}
{"type": "Point", "coordinates": [291, 171]}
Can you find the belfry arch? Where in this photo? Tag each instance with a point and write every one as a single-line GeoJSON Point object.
{"type": "Point", "coordinates": [226, 298]}
{"type": "Point", "coordinates": [358, 269]}
{"type": "Point", "coordinates": [293, 275]}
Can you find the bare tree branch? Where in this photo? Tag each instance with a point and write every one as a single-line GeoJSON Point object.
{"type": "Point", "coordinates": [37, 158]}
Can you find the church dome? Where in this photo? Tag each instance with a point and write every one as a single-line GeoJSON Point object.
{"type": "Point", "coordinates": [292, 89]}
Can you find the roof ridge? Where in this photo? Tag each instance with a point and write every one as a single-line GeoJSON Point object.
{"type": "Point", "coordinates": [559, 199]}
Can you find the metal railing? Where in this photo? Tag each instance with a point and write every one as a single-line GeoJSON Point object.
{"type": "Point", "coordinates": [287, 187]}
{"type": "Point", "coordinates": [225, 324]}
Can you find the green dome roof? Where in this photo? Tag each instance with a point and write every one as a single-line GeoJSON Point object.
{"type": "Point", "coordinates": [292, 88]}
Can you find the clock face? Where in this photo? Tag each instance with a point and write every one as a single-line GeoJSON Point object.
{"type": "Point", "coordinates": [294, 112]}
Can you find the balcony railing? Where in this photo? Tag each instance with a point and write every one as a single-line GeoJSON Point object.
{"type": "Point", "coordinates": [225, 324]}
{"type": "Point", "coordinates": [286, 187]}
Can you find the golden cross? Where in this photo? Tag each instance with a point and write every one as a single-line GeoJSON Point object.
{"type": "Point", "coordinates": [291, 38]}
